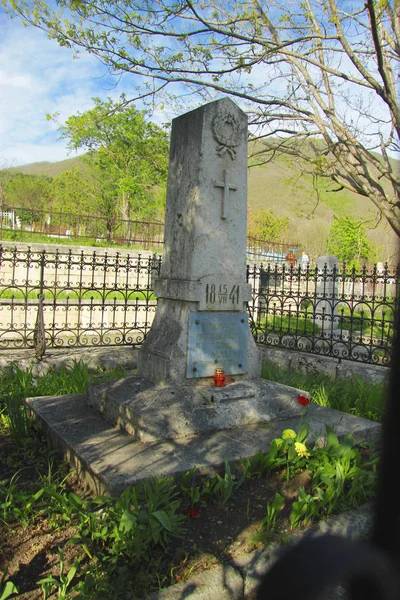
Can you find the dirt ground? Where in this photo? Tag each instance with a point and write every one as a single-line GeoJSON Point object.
{"type": "Point", "coordinates": [214, 533]}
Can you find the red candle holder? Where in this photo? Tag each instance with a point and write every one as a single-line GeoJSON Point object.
{"type": "Point", "coordinates": [219, 377]}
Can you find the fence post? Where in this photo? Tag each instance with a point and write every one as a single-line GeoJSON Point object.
{"type": "Point", "coordinates": [39, 335]}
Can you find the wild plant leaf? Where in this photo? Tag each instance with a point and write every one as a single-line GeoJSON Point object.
{"type": "Point", "coordinates": [163, 518]}
{"type": "Point", "coordinates": [101, 500]}
{"type": "Point", "coordinates": [71, 573]}
{"type": "Point", "coordinates": [155, 531]}
{"type": "Point", "coordinates": [75, 539]}
{"type": "Point", "coordinates": [8, 589]}
{"type": "Point", "coordinates": [348, 440]}
{"type": "Point", "coordinates": [75, 501]}
{"type": "Point", "coordinates": [340, 450]}
{"type": "Point", "coordinates": [332, 439]}
{"type": "Point", "coordinates": [187, 480]}
{"type": "Point", "coordinates": [278, 502]}
{"type": "Point", "coordinates": [57, 496]}
{"type": "Point", "coordinates": [260, 462]}
{"type": "Point", "coordinates": [339, 482]}
{"type": "Point", "coordinates": [303, 495]}
{"type": "Point", "coordinates": [124, 501]}
{"type": "Point", "coordinates": [274, 447]}
{"type": "Point", "coordinates": [299, 511]}
{"type": "Point", "coordinates": [302, 434]}
{"type": "Point", "coordinates": [292, 454]}
{"type": "Point", "coordinates": [325, 479]}
{"type": "Point", "coordinates": [38, 495]}
{"type": "Point", "coordinates": [320, 493]}
{"type": "Point", "coordinates": [240, 482]}
{"type": "Point", "coordinates": [142, 516]}
{"type": "Point", "coordinates": [49, 579]}
{"type": "Point", "coordinates": [127, 522]}
{"type": "Point", "coordinates": [228, 474]}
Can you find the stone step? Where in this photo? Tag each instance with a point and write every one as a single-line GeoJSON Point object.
{"type": "Point", "coordinates": [150, 413]}
{"type": "Point", "coordinates": [108, 460]}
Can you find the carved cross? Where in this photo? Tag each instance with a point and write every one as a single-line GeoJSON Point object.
{"type": "Point", "coordinates": [226, 189]}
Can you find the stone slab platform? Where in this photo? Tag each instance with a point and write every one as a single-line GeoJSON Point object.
{"type": "Point", "coordinates": [109, 460]}
{"type": "Point", "coordinates": [150, 413]}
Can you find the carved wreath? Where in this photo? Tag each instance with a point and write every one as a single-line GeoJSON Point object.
{"type": "Point", "coordinates": [227, 141]}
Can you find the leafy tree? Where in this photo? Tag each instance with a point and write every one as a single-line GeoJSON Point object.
{"type": "Point", "coordinates": [5, 177]}
{"type": "Point", "coordinates": [128, 156]}
{"type": "Point", "coordinates": [267, 227]}
{"type": "Point", "coordinates": [320, 72]}
{"type": "Point", "coordinates": [75, 195]}
{"type": "Point", "coordinates": [71, 191]}
{"type": "Point", "coordinates": [348, 242]}
{"type": "Point", "coordinates": [32, 192]}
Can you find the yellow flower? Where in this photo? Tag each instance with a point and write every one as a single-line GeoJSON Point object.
{"type": "Point", "coordinates": [278, 442]}
{"type": "Point", "coordinates": [301, 449]}
{"type": "Point", "coordinates": [288, 433]}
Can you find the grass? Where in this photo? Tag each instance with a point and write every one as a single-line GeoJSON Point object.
{"type": "Point", "coordinates": [351, 396]}
{"type": "Point", "coordinates": [38, 238]}
{"type": "Point", "coordinates": [131, 545]}
{"type": "Point", "coordinates": [357, 321]}
{"type": "Point", "coordinates": [288, 324]}
{"type": "Point", "coordinates": [378, 326]}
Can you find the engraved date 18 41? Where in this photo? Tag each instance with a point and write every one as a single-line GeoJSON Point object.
{"type": "Point", "coordinates": [221, 294]}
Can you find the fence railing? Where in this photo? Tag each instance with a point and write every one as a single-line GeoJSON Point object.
{"type": "Point", "coordinates": [262, 251]}
{"type": "Point", "coordinates": [339, 312]}
{"type": "Point", "coordinates": [79, 299]}
{"type": "Point", "coordinates": [21, 224]}
{"type": "Point", "coordinates": [53, 299]}
{"type": "Point", "coordinates": [26, 224]}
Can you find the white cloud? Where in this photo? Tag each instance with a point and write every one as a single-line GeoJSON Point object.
{"type": "Point", "coordinates": [38, 77]}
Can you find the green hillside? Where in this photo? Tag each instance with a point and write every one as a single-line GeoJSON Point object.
{"type": "Point", "coordinates": [278, 186]}
{"type": "Point", "coordinates": [51, 169]}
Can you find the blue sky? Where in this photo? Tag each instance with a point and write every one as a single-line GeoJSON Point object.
{"type": "Point", "coordinates": [38, 77]}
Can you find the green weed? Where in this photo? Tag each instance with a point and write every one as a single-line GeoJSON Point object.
{"type": "Point", "coordinates": [7, 589]}
{"type": "Point", "coordinates": [125, 541]}
{"type": "Point", "coordinates": [273, 508]}
{"type": "Point", "coordinates": [339, 476]}
{"type": "Point", "coordinates": [62, 582]}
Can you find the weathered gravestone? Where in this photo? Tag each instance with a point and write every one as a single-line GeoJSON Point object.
{"type": "Point", "coordinates": [326, 303]}
{"type": "Point", "coordinates": [201, 321]}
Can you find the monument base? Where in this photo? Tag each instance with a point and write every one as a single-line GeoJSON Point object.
{"type": "Point", "coordinates": [151, 413]}
{"type": "Point", "coordinates": [108, 460]}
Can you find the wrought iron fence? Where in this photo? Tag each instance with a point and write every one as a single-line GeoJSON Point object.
{"type": "Point", "coordinates": [338, 312]}
{"type": "Point", "coordinates": [95, 298]}
{"type": "Point", "coordinates": [58, 298]}
{"type": "Point", "coordinates": [27, 224]}
{"type": "Point", "coordinates": [21, 224]}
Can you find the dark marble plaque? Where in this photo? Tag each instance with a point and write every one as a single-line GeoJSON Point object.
{"type": "Point", "coordinates": [217, 340]}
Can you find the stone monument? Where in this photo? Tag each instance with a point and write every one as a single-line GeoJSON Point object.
{"type": "Point", "coordinates": [174, 413]}
{"type": "Point", "coordinates": [201, 322]}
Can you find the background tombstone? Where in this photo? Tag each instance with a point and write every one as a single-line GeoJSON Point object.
{"type": "Point", "coordinates": [326, 303]}
{"type": "Point", "coordinates": [201, 322]}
